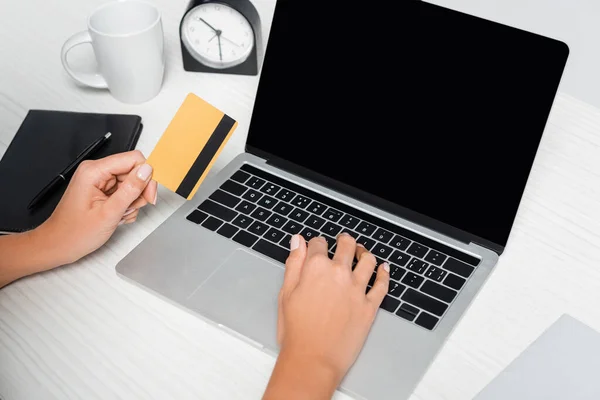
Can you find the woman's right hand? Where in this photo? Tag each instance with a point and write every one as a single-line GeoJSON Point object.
{"type": "Point", "coordinates": [325, 316]}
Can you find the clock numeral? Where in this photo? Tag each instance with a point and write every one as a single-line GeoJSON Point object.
{"type": "Point", "coordinates": [246, 34]}
{"type": "Point", "coordinates": [233, 52]}
{"type": "Point", "coordinates": [192, 29]}
{"type": "Point", "coordinates": [217, 8]}
{"type": "Point", "coordinates": [208, 49]}
{"type": "Point", "coordinates": [197, 41]}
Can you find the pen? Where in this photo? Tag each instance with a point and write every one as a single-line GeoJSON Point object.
{"type": "Point", "coordinates": [68, 171]}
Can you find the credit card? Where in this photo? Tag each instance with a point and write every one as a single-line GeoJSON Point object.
{"type": "Point", "coordinates": [190, 145]}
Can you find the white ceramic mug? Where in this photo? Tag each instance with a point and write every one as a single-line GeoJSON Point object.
{"type": "Point", "coordinates": [127, 38]}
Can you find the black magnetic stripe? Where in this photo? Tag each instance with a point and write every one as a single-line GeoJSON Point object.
{"type": "Point", "coordinates": [205, 157]}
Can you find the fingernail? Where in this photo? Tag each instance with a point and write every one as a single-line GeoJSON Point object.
{"type": "Point", "coordinates": [344, 234]}
{"type": "Point", "coordinates": [360, 245]}
{"type": "Point", "coordinates": [155, 199]}
{"type": "Point", "coordinates": [386, 267]}
{"type": "Point", "coordinates": [121, 222]}
{"type": "Point", "coordinates": [295, 242]}
{"type": "Point", "coordinates": [129, 211]}
{"type": "Point", "coordinates": [144, 172]}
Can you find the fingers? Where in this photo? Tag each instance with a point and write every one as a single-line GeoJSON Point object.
{"type": "Point", "coordinates": [120, 164]}
{"type": "Point", "coordinates": [294, 263]}
{"type": "Point", "coordinates": [381, 285]}
{"type": "Point", "coordinates": [129, 190]}
{"type": "Point", "coordinates": [130, 217]}
{"type": "Point", "coordinates": [317, 245]}
{"type": "Point", "coordinates": [365, 265]}
{"type": "Point", "coordinates": [345, 249]}
{"type": "Point", "coordinates": [150, 194]}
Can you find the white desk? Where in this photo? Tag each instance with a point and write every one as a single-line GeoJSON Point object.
{"type": "Point", "coordinates": [80, 332]}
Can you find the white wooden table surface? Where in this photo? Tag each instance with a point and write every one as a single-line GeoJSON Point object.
{"type": "Point", "coordinates": [80, 332]}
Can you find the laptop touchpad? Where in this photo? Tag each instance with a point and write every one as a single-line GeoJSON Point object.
{"type": "Point", "coordinates": [242, 295]}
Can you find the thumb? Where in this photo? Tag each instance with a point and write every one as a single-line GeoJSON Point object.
{"type": "Point", "coordinates": [294, 263]}
{"type": "Point", "coordinates": [129, 190]}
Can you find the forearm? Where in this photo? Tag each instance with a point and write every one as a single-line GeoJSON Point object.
{"type": "Point", "coordinates": [24, 254]}
{"type": "Point", "coordinates": [300, 378]}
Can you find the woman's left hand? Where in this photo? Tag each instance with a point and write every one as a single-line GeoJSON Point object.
{"type": "Point", "coordinates": [102, 195]}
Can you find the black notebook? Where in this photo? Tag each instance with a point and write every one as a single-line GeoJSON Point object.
{"type": "Point", "coordinates": [44, 145]}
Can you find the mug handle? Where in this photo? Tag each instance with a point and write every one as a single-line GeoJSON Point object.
{"type": "Point", "coordinates": [85, 78]}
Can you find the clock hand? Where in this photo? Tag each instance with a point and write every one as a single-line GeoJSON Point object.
{"type": "Point", "coordinates": [231, 41]}
{"type": "Point", "coordinates": [207, 24]}
{"type": "Point", "coordinates": [219, 39]}
{"type": "Point", "coordinates": [210, 40]}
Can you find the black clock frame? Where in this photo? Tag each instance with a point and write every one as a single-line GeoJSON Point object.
{"type": "Point", "coordinates": [251, 65]}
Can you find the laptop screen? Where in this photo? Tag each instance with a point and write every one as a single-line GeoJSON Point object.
{"type": "Point", "coordinates": [424, 109]}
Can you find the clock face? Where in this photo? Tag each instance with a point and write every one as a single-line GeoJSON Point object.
{"type": "Point", "coordinates": [217, 35]}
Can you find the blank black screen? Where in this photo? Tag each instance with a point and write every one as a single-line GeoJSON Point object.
{"type": "Point", "coordinates": [427, 108]}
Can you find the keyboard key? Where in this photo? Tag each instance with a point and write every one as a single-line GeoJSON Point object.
{"type": "Point", "coordinates": [381, 250]}
{"type": "Point", "coordinates": [225, 198]}
{"type": "Point", "coordinates": [267, 202]}
{"type": "Point", "coordinates": [351, 233]}
{"type": "Point", "coordinates": [331, 229]}
{"type": "Point", "coordinates": [245, 207]}
{"type": "Point", "coordinates": [316, 208]}
{"type": "Point", "coordinates": [417, 266]}
{"type": "Point", "coordinates": [407, 311]}
{"type": "Point", "coordinates": [399, 258]}
{"type": "Point", "coordinates": [435, 258]}
{"type": "Point", "coordinates": [424, 302]}
{"type": "Point", "coordinates": [438, 291]}
{"type": "Point", "coordinates": [299, 215]}
{"type": "Point", "coordinates": [400, 243]}
{"type": "Point", "coordinates": [315, 222]}
{"type": "Point", "coordinates": [242, 221]}
{"type": "Point", "coordinates": [285, 195]}
{"type": "Point", "coordinates": [227, 230]}
{"type": "Point", "coordinates": [458, 267]}
{"type": "Point", "coordinates": [240, 176]}
{"type": "Point", "coordinates": [285, 242]}
{"type": "Point", "coordinates": [261, 214]}
{"type": "Point", "coordinates": [277, 221]}
{"type": "Point", "coordinates": [258, 228]}
{"type": "Point", "coordinates": [413, 280]}
{"type": "Point", "coordinates": [366, 242]}
{"type": "Point", "coordinates": [252, 195]}
{"type": "Point", "coordinates": [330, 241]}
{"type": "Point", "coordinates": [396, 289]}
{"type": "Point", "coordinates": [389, 304]}
{"type": "Point", "coordinates": [283, 208]}
{"type": "Point", "coordinates": [255, 183]}
{"type": "Point", "coordinates": [197, 216]}
{"type": "Point", "coordinates": [233, 188]}
{"type": "Point", "coordinates": [383, 236]}
{"type": "Point", "coordinates": [396, 273]}
{"type": "Point", "coordinates": [348, 221]}
{"type": "Point", "coordinates": [455, 282]}
{"type": "Point", "coordinates": [270, 189]}
{"type": "Point", "coordinates": [417, 250]}
{"type": "Point", "coordinates": [292, 227]}
{"type": "Point", "coordinates": [271, 250]}
{"type": "Point", "coordinates": [308, 233]}
{"type": "Point", "coordinates": [301, 201]}
{"type": "Point", "coordinates": [212, 223]}
{"type": "Point", "coordinates": [217, 210]}
{"type": "Point", "coordinates": [332, 215]}
{"type": "Point", "coordinates": [365, 228]}
{"type": "Point", "coordinates": [244, 238]}
{"type": "Point", "coordinates": [435, 273]}
{"type": "Point", "coordinates": [274, 235]}
{"type": "Point", "coordinates": [427, 321]}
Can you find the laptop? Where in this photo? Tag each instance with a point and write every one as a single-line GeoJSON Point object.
{"type": "Point", "coordinates": [412, 129]}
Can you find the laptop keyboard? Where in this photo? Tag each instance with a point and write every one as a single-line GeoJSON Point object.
{"type": "Point", "coordinates": [262, 211]}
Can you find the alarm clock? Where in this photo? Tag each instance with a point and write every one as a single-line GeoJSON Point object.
{"type": "Point", "coordinates": [221, 36]}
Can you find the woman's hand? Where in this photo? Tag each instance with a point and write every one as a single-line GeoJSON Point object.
{"type": "Point", "coordinates": [102, 195]}
{"type": "Point", "coordinates": [324, 316]}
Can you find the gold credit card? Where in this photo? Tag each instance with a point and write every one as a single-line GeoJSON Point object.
{"type": "Point", "coordinates": [190, 145]}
